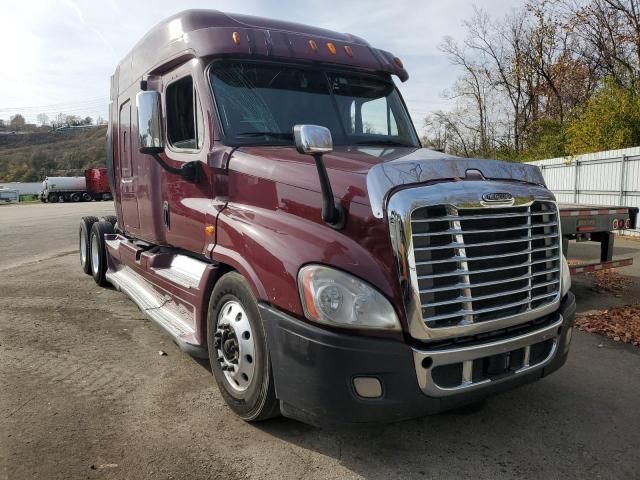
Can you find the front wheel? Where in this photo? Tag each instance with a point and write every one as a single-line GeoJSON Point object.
{"type": "Point", "coordinates": [238, 350]}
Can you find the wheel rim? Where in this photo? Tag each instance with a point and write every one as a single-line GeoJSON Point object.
{"type": "Point", "coordinates": [235, 347]}
{"type": "Point", "coordinates": [95, 255]}
{"type": "Point", "coordinates": [83, 247]}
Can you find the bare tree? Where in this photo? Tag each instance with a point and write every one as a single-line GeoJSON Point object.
{"type": "Point", "coordinates": [42, 119]}
{"type": "Point", "coordinates": [609, 31]}
{"type": "Point", "coordinates": [473, 84]}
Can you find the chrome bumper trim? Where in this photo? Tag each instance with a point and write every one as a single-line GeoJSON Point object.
{"type": "Point", "coordinates": [466, 355]}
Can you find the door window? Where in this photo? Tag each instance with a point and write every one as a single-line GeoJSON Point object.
{"type": "Point", "coordinates": [185, 126]}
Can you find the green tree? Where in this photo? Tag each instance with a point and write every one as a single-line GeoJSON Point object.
{"type": "Point", "coordinates": [547, 139]}
{"type": "Point", "coordinates": [610, 120]}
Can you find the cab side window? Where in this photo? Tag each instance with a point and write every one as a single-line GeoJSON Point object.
{"type": "Point", "coordinates": [184, 130]}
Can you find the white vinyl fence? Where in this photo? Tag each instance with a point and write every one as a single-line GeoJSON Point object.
{"type": "Point", "coordinates": [603, 178]}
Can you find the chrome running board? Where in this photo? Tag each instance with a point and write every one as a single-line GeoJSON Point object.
{"type": "Point", "coordinates": [174, 318]}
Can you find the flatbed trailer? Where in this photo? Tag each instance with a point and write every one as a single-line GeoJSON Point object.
{"type": "Point", "coordinates": [596, 223]}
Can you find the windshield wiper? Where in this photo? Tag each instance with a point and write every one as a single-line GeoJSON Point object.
{"type": "Point", "coordinates": [278, 135]}
{"type": "Point", "coordinates": [389, 143]}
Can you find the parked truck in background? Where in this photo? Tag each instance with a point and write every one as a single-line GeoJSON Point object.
{"type": "Point", "coordinates": [9, 195]}
{"type": "Point", "coordinates": [277, 215]}
{"type": "Point", "coordinates": [94, 185]}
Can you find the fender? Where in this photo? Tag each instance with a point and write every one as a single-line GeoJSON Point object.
{"type": "Point", "coordinates": [267, 237]}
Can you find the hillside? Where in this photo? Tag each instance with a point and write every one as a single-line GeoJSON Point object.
{"type": "Point", "coordinates": [28, 157]}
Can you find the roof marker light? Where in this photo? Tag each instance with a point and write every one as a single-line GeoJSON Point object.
{"type": "Point", "coordinates": [313, 45]}
{"type": "Point", "coordinates": [398, 62]}
{"type": "Point", "coordinates": [236, 38]}
{"type": "Point", "coordinates": [332, 48]}
{"type": "Point", "coordinates": [349, 50]}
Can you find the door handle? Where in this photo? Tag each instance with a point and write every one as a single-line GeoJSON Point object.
{"type": "Point", "coordinates": [165, 214]}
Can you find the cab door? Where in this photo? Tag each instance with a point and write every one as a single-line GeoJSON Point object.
{"type": "Point", "coordinates": [186, 204]}
{"type": "Point", "coordinates": [128, 200]}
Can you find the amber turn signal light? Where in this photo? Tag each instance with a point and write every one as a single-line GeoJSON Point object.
{"type": "Point", "coordinates": [209, 229]}
{"type": "Point", "coordinates": [332, 48]}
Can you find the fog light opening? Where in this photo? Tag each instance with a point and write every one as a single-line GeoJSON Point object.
{"type": "Point", "coordinates": [427, 363]}
{"type": "Point", "coordinates": [367, 387]}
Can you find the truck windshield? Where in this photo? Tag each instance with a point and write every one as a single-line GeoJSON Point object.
{"type": "Point", "coordinates": [260, 103]}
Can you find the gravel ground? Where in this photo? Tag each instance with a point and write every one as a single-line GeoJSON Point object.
{"type": "Point", "coordinates": [85, 394]}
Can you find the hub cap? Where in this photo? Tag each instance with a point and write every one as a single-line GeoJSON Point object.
{"type": "Point", "coordinates": [235, 348]}
{"type": "Point", "coordinates": [95, 255]}
{"type": "Point", "coordinates": [83, 247]}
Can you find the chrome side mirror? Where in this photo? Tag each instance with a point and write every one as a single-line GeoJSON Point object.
{"type": "Point", "coordinates": [312, 139]}
{"type": "Point", "coordinates": [149, 109]}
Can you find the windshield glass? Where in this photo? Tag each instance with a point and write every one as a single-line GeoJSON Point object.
{"type": "Point", "coordinates": [260, 103]}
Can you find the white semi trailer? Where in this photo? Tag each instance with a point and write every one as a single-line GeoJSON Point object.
{"type": "Point", "coordinates": [60, 189]}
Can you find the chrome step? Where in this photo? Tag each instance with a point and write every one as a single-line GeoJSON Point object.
{"type": "Point", "coordinates": [176, 319]}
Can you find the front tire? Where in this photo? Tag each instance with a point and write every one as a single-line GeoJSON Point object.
{"type": "Point", "coordinates": [238, 350]}
{"type": "Point", "coordinates": [98, 250]}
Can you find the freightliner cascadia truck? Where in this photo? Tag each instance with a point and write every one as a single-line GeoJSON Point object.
{"type": "Point", "coordinates": [277, 214]}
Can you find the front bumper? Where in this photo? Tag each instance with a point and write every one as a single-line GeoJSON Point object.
{"type": "Point", "coordinates": [314, 370]}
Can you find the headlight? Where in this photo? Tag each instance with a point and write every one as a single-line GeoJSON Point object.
{"type": "Point", "coordinates": [336, 298]}
{"type": "Point", "coordinates": [566, 277]}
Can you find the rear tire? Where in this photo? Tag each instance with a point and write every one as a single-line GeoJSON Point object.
{"type": "Point", "coordinates": [52, 198]}
{"type": "Point", "coordinates": [84, 233]}
{"type": "Point", "coordinates": [112, 219]}
{"type": "Point", "coordinates": [237, 342]}
{"type": "Point", "coordinates": [98, 251]}
{"type": "Point", "coordinates": [75, 197]}
{"type": "Point", "coordinates": [87, 197]}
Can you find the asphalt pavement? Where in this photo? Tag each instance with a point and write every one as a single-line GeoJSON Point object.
{"type": "Point", "coordinates": [84, 393]}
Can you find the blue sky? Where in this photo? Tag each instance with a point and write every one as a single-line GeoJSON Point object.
{"type": "Point", "coordinates": [58, 55]}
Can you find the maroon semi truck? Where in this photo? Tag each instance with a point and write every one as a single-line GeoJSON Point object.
{"type": "Point", "coordinates": [277, 214]}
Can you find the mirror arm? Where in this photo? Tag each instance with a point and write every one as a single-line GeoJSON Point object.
{"type": "Point", "coordinates": [332, 214]}
{"type": "Point", "coordinates": [190, 171]}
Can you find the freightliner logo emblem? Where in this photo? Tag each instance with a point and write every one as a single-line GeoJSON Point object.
{"type": "Point", "coordinates": [501, 197]}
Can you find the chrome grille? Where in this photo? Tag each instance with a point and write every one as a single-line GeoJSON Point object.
{"type": "Point", "coordinates": [478, 264]}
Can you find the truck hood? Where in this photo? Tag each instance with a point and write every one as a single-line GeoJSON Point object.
{"type": "Point", "coordinates": [366, 174]}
